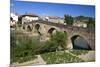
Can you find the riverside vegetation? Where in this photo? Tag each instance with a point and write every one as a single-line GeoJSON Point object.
{"type": "Point", "coordinates": [25, 48]}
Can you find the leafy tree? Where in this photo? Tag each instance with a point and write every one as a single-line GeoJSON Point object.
{"type": "Point", "coordinates": [60, 38]}
{"type": "Point", "coordinates": [91, 23]}
{"type": "Point", "coordinates": [68, 19]}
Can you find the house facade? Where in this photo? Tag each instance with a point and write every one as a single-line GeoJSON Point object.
{"type": "Point", "coordinates": [80, 24]}
{"type": "Point", "coordinates": [28, 18]}
{"type": "Point", "coordinates": [13, 19]}
{"type": "Point", "coordinates": [54, 19]}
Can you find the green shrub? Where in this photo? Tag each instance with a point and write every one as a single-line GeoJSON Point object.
{"type": "Point", "coordinates": [23, 46]}
{"type": "Point", "coordinates": [58, 39]}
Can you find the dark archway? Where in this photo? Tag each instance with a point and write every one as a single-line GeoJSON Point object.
{"type": "Point", "coordinates": [23, 27]}
{"type": "Point", "coordinates": [37, 26]}
{"type": "Point", "coordinates": [80, 43]}
{"type": "Point", "coordinates": [29, 28]}
{"type": "Point", "coordinates": [50, 31]}
{"type": "Point", "coordinates": [11, 19]}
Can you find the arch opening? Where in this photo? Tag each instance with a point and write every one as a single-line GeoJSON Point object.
{"type": "Point", "coordinates": [23, 27]}
{"type": "Point", "coordinates": [80, 43]}
{"type": "Point", "coordinates": [37, 26]}
{"type": "Point", "coordinates": [51, 31]}
{"type": "Point", "coordinates": [29, 28]}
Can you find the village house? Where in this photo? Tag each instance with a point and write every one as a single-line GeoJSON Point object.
{"type": "Point", "coordinates": [54, 19]}
{"type": "Point", "coordinates": [80, 24]}
{"type": "Point", "coordinates": [13, 19]}
{"type": "Point", "coordinates": [28, 18]}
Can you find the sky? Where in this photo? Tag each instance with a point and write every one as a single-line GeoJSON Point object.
{"type": "Point", "coordinates": [51, 9]}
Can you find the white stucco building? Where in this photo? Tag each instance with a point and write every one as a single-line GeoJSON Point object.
{"type": "Point", "coordinates": [80, 24]}
{"type": "Point", "coordinates": [13, 19]}
{"type": "Point", "coordinates": [29, 18]}
{"type": "Point", "coordinates": [54, 19]}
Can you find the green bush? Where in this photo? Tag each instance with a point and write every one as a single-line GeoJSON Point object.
{"type": "Point", "coordinates": [23, 46]}
{"type": "Point", "coordinates": [59, 39]}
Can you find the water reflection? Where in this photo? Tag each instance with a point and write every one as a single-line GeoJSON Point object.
{"type": "Point", "coordinates": [80, 43]}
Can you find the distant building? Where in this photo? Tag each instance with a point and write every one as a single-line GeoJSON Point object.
{"type": "Point", "coordinates": [13, 19]}
{"type": "Point", "coordinates": [80, 24]}
{"type": "Point", "coordinates": [54, 19]}
{"type": "Point", "coordinates": [28, 18]}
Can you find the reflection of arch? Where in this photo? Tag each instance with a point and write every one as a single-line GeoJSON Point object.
{"type": "Point", "coordinates": [29, 28]}
{"type": "Point", "coordinates": [51, 30]}
{"type": "Point", "coordinates": [80, 43]}
{"type": "Point", "coordinates": [37, 26]}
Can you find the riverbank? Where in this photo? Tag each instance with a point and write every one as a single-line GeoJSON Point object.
{"type": "Point", "coordinates": [59, 57]}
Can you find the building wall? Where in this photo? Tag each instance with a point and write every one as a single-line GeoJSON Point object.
{"type": "Point", "coordinates": [80, 24]}
{"type": "Point", "coordinates": [15, 17]}
{"type": "Point", "coordinates": [60, 21]}
{"type": "Point", "coordinates": [12, 23]}
{"type": "Point", "coordinates": [28, 19]}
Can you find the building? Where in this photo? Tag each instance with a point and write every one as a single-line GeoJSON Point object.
{"type": "Point", "coordinates": [13, 19]}
{"type": "Point", "coordinates": [28, 18]}
{"type": "Point", "coordinates": [54, 19]}
{"type": "Point", "coordinates": [80, 24]}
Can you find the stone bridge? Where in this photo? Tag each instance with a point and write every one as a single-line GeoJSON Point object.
{"type": "Point", "coordinates": [46, 28]}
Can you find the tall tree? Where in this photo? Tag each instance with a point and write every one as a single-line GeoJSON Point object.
{"type": "Point", "coordinates": [91, 23]}
{"type": "Point", "coordinates": [68, 19]}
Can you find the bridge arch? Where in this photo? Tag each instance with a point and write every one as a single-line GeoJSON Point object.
{"type": "Point", "coordinates": [80, 42]}
{"type": "Point", "coordinates": [52, 30]}
{"type": "Point", "coordinates": [37, 26]}
{"type": "Point", "coordinates": [29, 28]}
{"type": "Point", "coordinates": [23, 27]}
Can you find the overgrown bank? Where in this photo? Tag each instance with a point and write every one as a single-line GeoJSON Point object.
{"type": "Point", "coordinates": [24, 47]}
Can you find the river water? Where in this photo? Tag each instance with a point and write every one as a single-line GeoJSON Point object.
{"type": "Point", "coordinates": [81, 43]}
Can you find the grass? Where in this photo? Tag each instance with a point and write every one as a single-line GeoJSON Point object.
{"type": "Point", "coordinates": [79, 52]}
{"type": "Point", "coordinates": [23, 46]}
{"type": "Point", "coordinates": [60, 57]}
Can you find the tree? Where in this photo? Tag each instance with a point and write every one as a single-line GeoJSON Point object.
{"type": "Point", "coordinates": [91, 23]}
{"type": "Point", "coordinates": [59, 39]}
{"type": "Point", "coordinates": [68, 19]}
